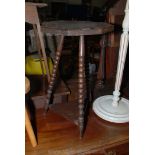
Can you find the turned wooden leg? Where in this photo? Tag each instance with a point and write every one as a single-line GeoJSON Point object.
{"type": "Point", "coordinates": [38, 48]}
{"type": "Point", "coordinates": [40, 55]}
{"type": "Point", "coordinates": [101, 69]}
{"type": "Point", "coordinates": [40, 36]}
{"type": "Point", "coordinates": [29, 129]}
{"type": "Point", "coordinates": [81, 91]}
{"type": "Point", "coordinates": [88, 85]}
{"type": "Point", "coordinates": [55, 68]}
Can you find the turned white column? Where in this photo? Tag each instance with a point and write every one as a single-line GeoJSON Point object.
{"type": "Point", "coordinates": [122, 56]}
{"type": "Point", "coordinates": [114, 108]}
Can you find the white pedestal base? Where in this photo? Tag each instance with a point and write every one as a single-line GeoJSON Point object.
{"type": "Point", "coordinates": [102, 106]}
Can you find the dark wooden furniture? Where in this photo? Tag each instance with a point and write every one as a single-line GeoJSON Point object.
{"type": "Point", "coordinates": [58, 136]}
{"type": "Point", "coordinates": [81, 29]}
{"type": "Point", "coordinates": [38, 94]}
{"type": "Point", "coordinates": [115, 16]}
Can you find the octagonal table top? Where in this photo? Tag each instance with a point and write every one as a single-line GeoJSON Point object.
{"type": "Point", "coordinates": [76, 28]}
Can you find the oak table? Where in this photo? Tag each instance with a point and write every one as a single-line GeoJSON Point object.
{"type": "Point", "coordinates": [73, 28]}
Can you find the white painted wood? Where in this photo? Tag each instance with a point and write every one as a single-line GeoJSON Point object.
{"type": "Point", "coordinates": [111, 107]}
{"type": "Point", "coordinates": [122, 55]}
{"type": "Point", "coordinates": [103, 108]}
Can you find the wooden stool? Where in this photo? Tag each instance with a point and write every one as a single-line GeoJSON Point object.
{"type": "Point", "coordinates": [73, 28]}
{"type": "Point", "coordinates": [27, 120]}
{"type": "Point", "coordinates": [31, 17]}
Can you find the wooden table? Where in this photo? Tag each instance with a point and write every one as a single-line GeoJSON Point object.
{"type": "Point", "coordinates": [81, 29]}
{"type": "Point", "coordinates": [75, 28]}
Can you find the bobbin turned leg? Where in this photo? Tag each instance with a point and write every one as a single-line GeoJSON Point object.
{"type": "Point", "coordinates": [55, 68]}
{"type": "Point", "coordinates": [101, 70]}
{"type": "Point", "coordinates": [81, 79]}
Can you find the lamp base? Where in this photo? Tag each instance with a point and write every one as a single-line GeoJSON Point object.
{"type": "Point", "coordinates": [103, 107]}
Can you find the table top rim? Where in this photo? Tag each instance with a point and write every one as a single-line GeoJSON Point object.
{"type": "Point", "coordinates": [35, 4]}
{"type": "Point", "coordinates": [78, 28]}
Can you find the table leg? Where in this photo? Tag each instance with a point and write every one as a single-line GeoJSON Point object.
{"type": "Point", "coordinates": [40, 56]}
{"type": "Point", "coordinates": [81, 79]}
{"type": "Point", "coordinates": [40, 36]}
{"type": "Point", "coordinates": [101, 70]}
{"type": "Point", "coordinates": [55, 68]}
{"type": "Point", "coordinates": [29, 129]}
{"type": "Point", "coordinates": [39, 48]}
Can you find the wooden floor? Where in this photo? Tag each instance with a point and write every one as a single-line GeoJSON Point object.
{"type": "Point", "coordinates": [56, 135]}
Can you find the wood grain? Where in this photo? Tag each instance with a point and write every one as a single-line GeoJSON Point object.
{"type": "Point", "coordinates": [29, 129]}
{"type": "Point", "coordinates": [76, 28]}
{"type": "Point", "coordinates": [40, 5]}
{"type": "Point", "coordinates": [59, 136]}
{"type": "Point", "coordinates": [101, 69]}
{"type": "Point", "coordinates": [61, 95]}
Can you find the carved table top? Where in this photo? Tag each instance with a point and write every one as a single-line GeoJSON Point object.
{"type": "Point", "coordinates": [76, 28]}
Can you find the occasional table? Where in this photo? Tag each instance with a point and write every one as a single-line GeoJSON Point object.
{"type": "Point", "coordinates": [81, 29]}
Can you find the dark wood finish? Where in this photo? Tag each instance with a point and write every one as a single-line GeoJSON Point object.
{"type": "Point", "coordinates": [70, 111]}
{"type": "Point", "coordinates": [40, 5]}
{"type": "Point", "coordinates": [111, 62]}
{"type": "Point", "coordinates": [55, 67]}
{"type": "Point", "coordinates": [119, 149]}
{"type": "Point", "coordinates": [36, 87]}
{"type": "Point", "coordinates": [115, 16]}
{"type": "Point", "coordinates": [81, 89]}
{"type": "Point", "coordinates": [76, 28]}
{"type": "Point", "coordinates": [60, 96]}
{"type": "Point", "coordinates": [57, 135]}
{"type": "Point", "coordinates": [101, 70]}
